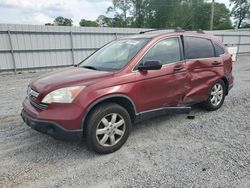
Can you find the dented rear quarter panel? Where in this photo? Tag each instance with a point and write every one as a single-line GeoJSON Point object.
{"type": "Point", "coordinates": [202, 75]}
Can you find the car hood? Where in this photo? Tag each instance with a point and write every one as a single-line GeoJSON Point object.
{"type": "Point", "coordinates": [68, 77]}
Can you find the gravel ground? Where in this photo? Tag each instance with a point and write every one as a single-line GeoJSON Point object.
{"type": "Point", "coordinates": [212, 150]}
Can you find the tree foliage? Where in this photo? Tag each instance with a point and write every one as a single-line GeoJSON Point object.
{"type": "Point", "coordinates": [241, 12]}
{"type": "Point", "coordinates": [88, 23]}
{"type": "Point", "coordinates": [61, 21]}
{"type": "Point", "coordinates": [222, 17]}
{"type": "Point", "coordinates": [188, 14]}
{"type": "Point", "coordinates": [121, 10]}
{"type": "Point", "coordinates": [104, 21]}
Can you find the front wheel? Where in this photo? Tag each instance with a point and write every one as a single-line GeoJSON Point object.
{"type": "Point", "coordinates": [108, 128]}
{"type": "Point", "coordinates": [216, 96]}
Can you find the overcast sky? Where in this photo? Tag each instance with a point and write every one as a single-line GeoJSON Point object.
{"type": "Point", "coordinates": [44, 11]}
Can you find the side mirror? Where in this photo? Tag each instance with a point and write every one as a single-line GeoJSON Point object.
{"type": "Point", "coordinates": [150, 65]}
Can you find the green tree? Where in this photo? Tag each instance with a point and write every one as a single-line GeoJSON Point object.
{"type": "Point", "coordinates": [104, 21]}
{"type": "Point", "coordinates": [246, 25]}
{"type": "Point", "coordinates": [88, 23]}
{"type": "Point", "coordinates": [222, 17]}
{"type": "Point", "coordinates": [61, 21]}
{"type": "Point", "coordinates": [139, 13]}
{"type": "Point", "coordinates": [121, 8]}
{"type": "Point", "coordinates": [161, 13]}
{"type": "Point", "coordinates": [188, 14]}
{"type": "Point", "coordinates": [240, 11]}
{"type": "Point", "coordinates": [201, 17]}
{"type": "Point", "coordinates": [197, 15]}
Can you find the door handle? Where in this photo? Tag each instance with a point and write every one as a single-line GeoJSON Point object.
{"type": "Point", "coordinates": [176, 69]}
{"type": "Point", "coordinates": [216, 63]}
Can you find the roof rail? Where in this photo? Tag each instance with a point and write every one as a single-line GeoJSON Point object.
{"type": "Point", "coordinates": [142, 32]}
{"type": "Point", "coordinates": [178, 29]}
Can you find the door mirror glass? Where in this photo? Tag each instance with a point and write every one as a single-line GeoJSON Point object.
{"type": "Point", "coordinates": [150, 65]}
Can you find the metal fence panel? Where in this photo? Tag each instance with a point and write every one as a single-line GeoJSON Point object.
{"type": "Point", "coordinates": [4, 42]}
{"type": "Point", "coordinates": [5, 61]}
{"type": "Point", "coordinates": [25, 47]}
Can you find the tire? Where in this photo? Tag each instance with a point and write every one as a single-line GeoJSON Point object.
{"type": "Point", "coordinates": [216, 97]}
{"type": "Point", "coordinates": [108, 128]}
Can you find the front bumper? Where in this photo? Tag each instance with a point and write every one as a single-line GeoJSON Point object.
{"type": "Point", "coordinates": [51, 128]}
{"type": "Point", "coordinates": [68, 116]}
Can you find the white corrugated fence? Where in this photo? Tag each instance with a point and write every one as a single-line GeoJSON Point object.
{"type": "Point", "coordinates": [32, 47]}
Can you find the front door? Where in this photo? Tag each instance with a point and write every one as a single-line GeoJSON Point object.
{"type": "Point", "coordinates": [165, 87]}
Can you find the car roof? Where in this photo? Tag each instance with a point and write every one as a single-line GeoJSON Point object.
{"type": "Point", "coordinates": [171, 33]}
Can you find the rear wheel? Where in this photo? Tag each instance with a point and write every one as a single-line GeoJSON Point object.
{"type": "Point", "coordinates": [216, 97]}
{"type": "Point", "coordinates": [108, 128]}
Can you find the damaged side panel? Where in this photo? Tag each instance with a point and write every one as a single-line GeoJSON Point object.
{"type": "Point", "coordinates": [202, 75]}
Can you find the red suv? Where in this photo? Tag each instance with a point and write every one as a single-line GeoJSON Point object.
{"type": "Point", "coordinates": [126, 81]}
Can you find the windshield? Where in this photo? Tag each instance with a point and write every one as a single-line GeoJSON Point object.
{"type": "Point", "coordinates": [115, 55]}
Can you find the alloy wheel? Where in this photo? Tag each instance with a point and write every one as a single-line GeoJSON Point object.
{"type": "Point", "coordinates": [216, 94]}
{"type": "Point", "coordinates": [110, 130]}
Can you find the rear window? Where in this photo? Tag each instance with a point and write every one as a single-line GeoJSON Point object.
{"type": "Point", "coordinates": [196, 48]}
{"type": "Point", "coordinates": [218, 50]}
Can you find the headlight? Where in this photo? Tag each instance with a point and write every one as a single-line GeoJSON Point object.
{"type": "Point", "coordinates": [63, 95]}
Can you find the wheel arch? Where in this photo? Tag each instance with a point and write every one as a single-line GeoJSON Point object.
{"type": "Point", "coordinates": [120, 99]}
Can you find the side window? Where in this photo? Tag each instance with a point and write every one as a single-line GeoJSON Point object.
{"type": "Point", "coordinates": [166, 51]}
{"type": "Point", "coordinates": [196, 48]}
{"type": "Point", "coordinates": [218, 50]}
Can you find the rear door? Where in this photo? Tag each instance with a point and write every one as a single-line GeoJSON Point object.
{"type": "Point", "coordinates": [203, 66]}
{"type": "Point", "coordinates": [165, 87]}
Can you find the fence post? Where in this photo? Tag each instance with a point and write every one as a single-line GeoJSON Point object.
{"type": "Point", "coordinates": [72, 48]}
{"type": "Point", "coordinates": [12, 51]}
{"type": "Point", "coordinates": [222, 38]}
{"type": "Point", "coordinates": [238, 49]}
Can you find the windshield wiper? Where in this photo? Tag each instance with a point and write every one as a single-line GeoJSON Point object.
{"type": "Point", "coordinates": [89, 67]}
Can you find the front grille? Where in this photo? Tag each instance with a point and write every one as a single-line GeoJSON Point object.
{"type": "Point", "coordinates": [37, 105]}
{"type": "Point", "coordinates": [32, 94]}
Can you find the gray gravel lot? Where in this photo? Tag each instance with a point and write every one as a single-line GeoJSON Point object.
{"type": "Point", "coordinates": [212, 150]}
